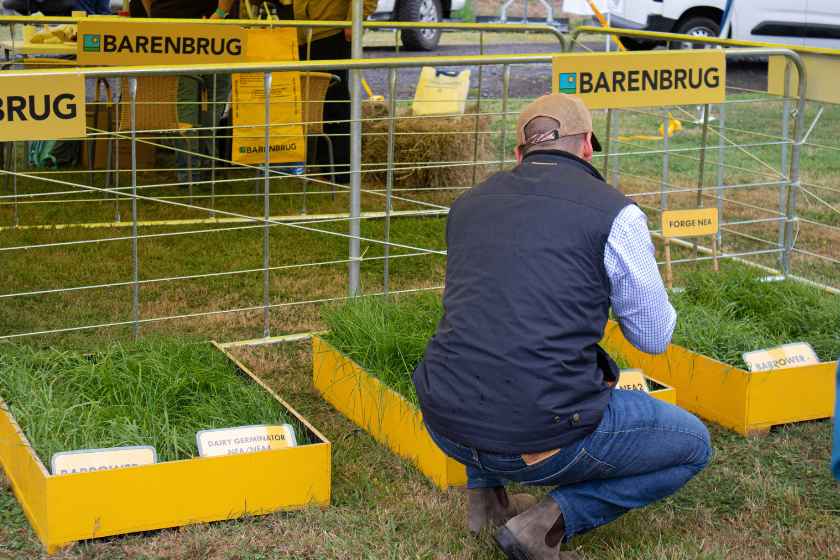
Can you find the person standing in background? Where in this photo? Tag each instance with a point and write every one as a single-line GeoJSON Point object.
{"type": "Point", "coordinates": [332, 44]}
{"type": "Point", "coordinates": [97, 7]}
{"type": "Point", "coordinates": [190, 88]}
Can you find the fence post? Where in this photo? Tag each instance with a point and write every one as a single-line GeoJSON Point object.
{"type": "Point", "coordinates": [701, 173]}
{"type": "Point", "coordinates": [664, 187]}
{"type": "Point", "coordinates": [135, 257]}
{"type": "Point", "coordinates": [616, 149]}
{"type": "Point", "coordinates": [784, 164]}
{"type": "Point", "coordinates": [721, 171]}
{"type": "Point", "coordinates": [505, 97]}
{"type": "Point", "coordinates": [355, 151]}
{"type": "Point", "coordinates": [267, 208]}
{"type": "Point", "coordinates": [478, 109]}
{"type": "Point", "coordinates": [389, 174]}
{"type": "Point", "coordinates": [793, 190]}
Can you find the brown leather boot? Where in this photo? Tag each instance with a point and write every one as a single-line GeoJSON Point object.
{"type": "Point", "coordinates": [491, 507]}
{"type": "Point", "coordinates": [535, 534]}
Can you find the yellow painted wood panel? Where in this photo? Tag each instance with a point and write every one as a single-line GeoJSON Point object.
{"type": "Point", "coordinates": [25, 472]}
{"type": "Point", "coordinates": [734, 398]}
{"type": "Point", "coordinates": [174, 493]}
{"type": "Point", "coordinates": [386, 415]}
{"type": "Point", "coordinates": [788, 395]}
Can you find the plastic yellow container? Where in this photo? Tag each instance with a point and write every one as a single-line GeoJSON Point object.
{"type": "Point", "coordinates": [747, 402]}
{"type": "Point", "coordinates": [68, 508]}
{"type": "Point", "coordinates": [389, 417]}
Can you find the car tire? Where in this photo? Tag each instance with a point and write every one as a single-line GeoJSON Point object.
{"type": "Point", "coordinates": [699, 26]}
{"type": "Point", "coordinates": [420, 10]}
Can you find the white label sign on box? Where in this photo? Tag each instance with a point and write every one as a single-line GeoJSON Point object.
{"type": "Point", "coordinates": [797, 354]}
{"type": "Point", "coordinates": [632, 380]}
{"type": "Point", "coordinates": [244, 439]}
{"type": "Point", "coordinates": [93, 460]}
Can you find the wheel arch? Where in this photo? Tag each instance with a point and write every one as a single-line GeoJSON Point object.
{"type": "Point", "coordinates": [710, 12]}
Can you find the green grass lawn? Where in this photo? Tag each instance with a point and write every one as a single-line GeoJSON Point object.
{"type": "Point", "coordinates": [764, 499]}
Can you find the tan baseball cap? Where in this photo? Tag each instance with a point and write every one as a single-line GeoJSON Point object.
{"type": "Point", "coordinates": [569, 111]}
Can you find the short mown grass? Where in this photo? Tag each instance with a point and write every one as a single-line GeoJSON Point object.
{"type": "Point", "coordinates": [157, 392]}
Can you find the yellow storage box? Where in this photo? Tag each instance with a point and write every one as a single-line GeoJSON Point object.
{"type": "Point", "coordinates": [64, 509]}
{"type": "Point", "coordinates": [747, 402]}
{"type": "Point", "coordinates": [389, 417]}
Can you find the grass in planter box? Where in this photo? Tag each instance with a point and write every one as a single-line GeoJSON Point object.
{"type": "Point", "coordinates": [157, 392]}
{"type": "Point", "coordinates": [388, 337]}
{"type": "Point", "coordinates": [720, 315]}
{"type": "Point", "coordinates": [726, 314]}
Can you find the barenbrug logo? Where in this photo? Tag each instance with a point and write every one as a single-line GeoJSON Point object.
{"type": "Point", "coordinates": [26, 108]}
{"type": "Point", "coordinates": [662, 79]}
{"type": "Point", "coordinates": [568, 83]}
{"type": "Point", "coordinates": [169, 45]}
{"type": "Point", "coordinates": [92, 43]}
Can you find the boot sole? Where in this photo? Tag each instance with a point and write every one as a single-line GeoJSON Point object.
{"type": "Point", "coordinates": [509, 545]}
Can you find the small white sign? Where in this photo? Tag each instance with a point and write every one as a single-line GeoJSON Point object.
{"type": "Point", "coordinates": [632, 380]}
{"type": "Point", "coordinates": [244, 439]}
{"type": "Point", "coordinates": [797, 354]}
{"type": "Point", "coordinates": [93, 460]}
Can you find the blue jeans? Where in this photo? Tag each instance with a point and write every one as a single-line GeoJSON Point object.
{"type": "Point", "coordinates": [642, 451]}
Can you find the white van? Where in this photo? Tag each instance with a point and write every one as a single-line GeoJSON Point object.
{"type": "Point", "coordinates": [813, 23]}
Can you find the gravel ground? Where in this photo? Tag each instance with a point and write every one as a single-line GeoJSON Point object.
{"type": "Point", "coordinates": [527, 80]}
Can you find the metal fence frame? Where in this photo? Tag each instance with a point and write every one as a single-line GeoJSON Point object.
{"type": "Point", "coordinates": [354, 214]}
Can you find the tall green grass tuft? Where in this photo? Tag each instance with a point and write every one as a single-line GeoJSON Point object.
{"type": "Point", "coordinates": [723, 315]}
{"type": "Point", "coordinates": [387, 337]}
{"type": "Point", "coordinates": [157, 392]}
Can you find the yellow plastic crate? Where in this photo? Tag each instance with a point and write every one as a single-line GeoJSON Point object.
{"type": "Point", "coordinates": [68, 508]}
{"type": "Point", "coordinates": [747, 402]}
{"type": "Point", "coordinates": [389, 417]}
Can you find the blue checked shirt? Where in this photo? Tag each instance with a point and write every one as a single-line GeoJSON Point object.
{"type": "Point", "coordinates": [638, 297]}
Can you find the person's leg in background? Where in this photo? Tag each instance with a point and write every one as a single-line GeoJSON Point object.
{"type": "Point", "coordinates": [337, 106]}
{"type": "Point", "coordinates": [218, 90]}
{"type": "Point", "coordinates": [488, 503]}
{"type": "Point", "coordinates": [643, 451]}
{"type": "Point", "coordinates": [189, 118]}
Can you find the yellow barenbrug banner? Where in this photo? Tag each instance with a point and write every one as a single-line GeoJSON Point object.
{"type": "Point", "coordinates": [42, 107]}
{"type": "Point", "coordinates": [286, 143]}
{"type": "Point", "coordinates": [127, 43]}
{"type": "Point", "coordinates": [690, 223]}
{"type": "Point", "coordinates": [137, 44]}
{"type": "Point", "coordinates": [650, 79]}
{"type": "Point", "coordinates": [822, 71]}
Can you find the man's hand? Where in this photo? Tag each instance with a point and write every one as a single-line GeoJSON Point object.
{"type": "Point", "coordinates": [348, 34]}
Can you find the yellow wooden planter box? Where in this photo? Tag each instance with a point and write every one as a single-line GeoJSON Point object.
{"type": "Point", "coordinates": [64, 509]}
{"type": "Point", "coordinates": [388, 416]}
{"type": "Point", "coordinates": [747, 402]}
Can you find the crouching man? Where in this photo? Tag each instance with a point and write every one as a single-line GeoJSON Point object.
{"type": "Point", "coordinates": [513, 384]}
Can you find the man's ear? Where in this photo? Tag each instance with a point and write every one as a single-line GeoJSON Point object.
{"type": "Point", "coordinates": [518, 153]}
{"type": "Point", "coordinates": [588, 150]}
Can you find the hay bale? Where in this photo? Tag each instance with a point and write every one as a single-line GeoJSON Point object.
{"type": "Point", "coordinates": [425, 146]}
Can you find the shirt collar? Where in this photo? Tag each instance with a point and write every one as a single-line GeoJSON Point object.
{"type": "Point", "coordinates": [558, 157]}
